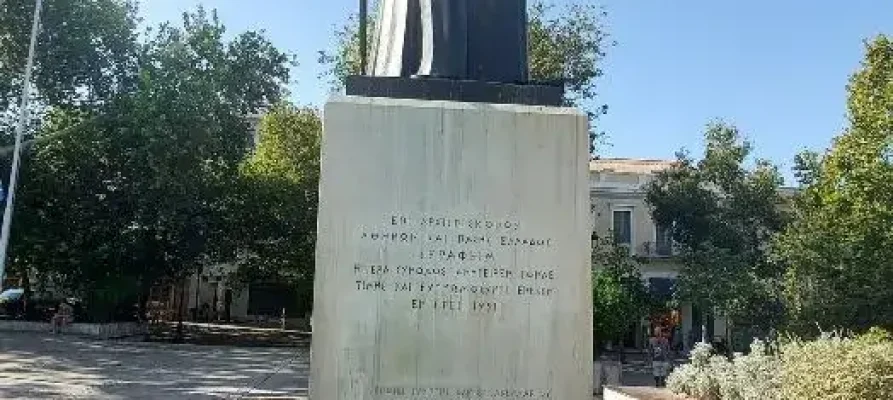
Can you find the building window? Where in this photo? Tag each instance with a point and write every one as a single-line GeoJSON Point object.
{"type": "Point", "coordinates": [663, 241]}
{"type": "Point", "coordinates": [623, 227]}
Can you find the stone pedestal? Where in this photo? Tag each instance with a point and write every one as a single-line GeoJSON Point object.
{"type": "Point", "coordinates": [453, 253]}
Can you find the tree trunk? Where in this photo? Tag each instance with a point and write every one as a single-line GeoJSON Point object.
{"type": "Point", "coordinates": [622, 355]}
{"type": "Point", "coordinates": [178, 336]}
{"type": "Point", "coordinates": [198, 288]}
{"type": "Point", "coordinates": [26, 298]}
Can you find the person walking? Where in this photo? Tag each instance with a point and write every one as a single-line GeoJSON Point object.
{"type": "Point", "coordinates": [659, 349]}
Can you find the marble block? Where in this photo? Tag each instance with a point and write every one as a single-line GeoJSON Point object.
{"type": "Point", "coordinates": [453, 253]}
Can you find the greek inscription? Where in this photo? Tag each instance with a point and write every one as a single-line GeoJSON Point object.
{"type": "Point", "coordinates": [421, 271]}
{"type": "Point", "coordinates": [459, 265]}
{"type": "Point", "coordinates": [461, 255]}
{"type": "Point", "coordinates": [525, 241]}
{"type": "Point", "coordinates": [465, 393]}
{"type": "Point", "coordinates": [472, 239]}
{"type": "Point", "coordinates": [535, 291]}
{"type": "Point", "coordinates": [437, 238]}
{"type": "Point", "coordinates": [393, 391]}
{"type": "Point", "coordinates": [486, 272]}
{"type": "Point", "coordinates": [470, 223]}
{"type": "Point", "coordinates": [371, 269]}
{"type": "Point", "coordinates": [394, 237]}
{"type": "Point", "coordinates": [484, 306]}
{"type": "Point", "coordinates": [370, 286]}
{"type": "Point", "coordinates": [444, 304]}
{"type": "Point", "coordinates": [538, 274]}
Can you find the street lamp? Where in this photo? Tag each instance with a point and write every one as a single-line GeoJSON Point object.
{"type": "Point", "coordinates": [20, 131]}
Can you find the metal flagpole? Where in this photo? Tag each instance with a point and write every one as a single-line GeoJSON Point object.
{"type": "Point", "coordinates": [20, 131]}
{"type": "Point", "coordinates": [364, 15]}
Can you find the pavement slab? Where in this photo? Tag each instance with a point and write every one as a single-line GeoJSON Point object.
{"type": "Point", "coordinates": [35, 366]}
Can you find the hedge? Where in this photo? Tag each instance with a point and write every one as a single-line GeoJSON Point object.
{"type": "Point", "coordinates": [833, 366]}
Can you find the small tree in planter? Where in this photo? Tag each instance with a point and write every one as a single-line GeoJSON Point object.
{"type": "Point", "coordinates": [619, 295]}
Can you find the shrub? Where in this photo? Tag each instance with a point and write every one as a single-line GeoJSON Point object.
{"type": "Point", "coordinates": [831, 367]}
{"type": "Point", "coordinates": [713, 377]}
{"type": "Point", "coordinates": [753, 376]}
{"type": "Point", "coordinates": [700, 378]}
{"type": "Point", "coordinates": [837, 367]}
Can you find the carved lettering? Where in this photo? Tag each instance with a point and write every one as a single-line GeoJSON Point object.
{"type": "Point", "coordinates": [525, 241]}
{"type": "Point", "coordinates": [457, 255]}
{"type": "Point", "coordinates": [370, 286]}
{"type": "Point", "coordinates": [465, 393]}
{"type": "Point", "coordinates": [459, 265]}
{"type": "Point", "coordinates": [398, 237]}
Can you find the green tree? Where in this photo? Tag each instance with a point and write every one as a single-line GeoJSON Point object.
{"type": "Point", "coordinates": [86, 54]}
{"type": "Point", "coordinates": [132, 196]}
{"type": "Point", "coordinates": [839, 249]}
{"type": "Point", "coordinates": [567, 42]}
{"type": "Point", "coordinates": [278, 202]}
{"type": "Point", "coordinates": [620, 298]}
{"type": "Point", "coordinates": [722, 216]}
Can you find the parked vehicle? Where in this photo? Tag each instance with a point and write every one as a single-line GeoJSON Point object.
{"type": "Point", "coordinates": [12, 303]}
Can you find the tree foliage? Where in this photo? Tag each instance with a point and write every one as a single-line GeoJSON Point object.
{"type": "Point", "coordinates": [567, 42]}
{"type": "Point", "coordinates": [86, 52]}
{"type": "Point", "coordinates": [620, 298]}
{"type": "Point", "coordinates": [133, 194]}
{"type": "Point", "coordinates": [722, 215]}
{"type": "Point", "coordinates": [839, 249]}
{"type": "Point", "coordinates": [278, 202]}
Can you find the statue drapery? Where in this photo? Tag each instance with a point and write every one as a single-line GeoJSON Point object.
{"type": "Point", "coordinates": [483, 40]}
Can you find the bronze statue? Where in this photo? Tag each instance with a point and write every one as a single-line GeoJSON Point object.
{"type": "Point", "coordinates": [480, 40]}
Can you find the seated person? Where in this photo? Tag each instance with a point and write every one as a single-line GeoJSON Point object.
{"type": "Point", "coordinates": [64, 316]}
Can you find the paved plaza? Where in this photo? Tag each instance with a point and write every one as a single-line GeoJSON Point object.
{"type": "Point", "coordinates": [43, 366]}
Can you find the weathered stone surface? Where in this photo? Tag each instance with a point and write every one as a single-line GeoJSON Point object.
{"type": "Point", "coordinates": [453, 253]}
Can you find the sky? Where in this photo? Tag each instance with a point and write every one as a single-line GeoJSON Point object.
{"type": "Point", "coordinates": [777, 70]}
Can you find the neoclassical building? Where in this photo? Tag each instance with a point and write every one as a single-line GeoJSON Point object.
{"type": "Point", "coordinates": [616, 187]}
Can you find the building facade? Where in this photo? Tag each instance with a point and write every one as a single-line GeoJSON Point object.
{"type": "Point", "coordinates": [619, 210]}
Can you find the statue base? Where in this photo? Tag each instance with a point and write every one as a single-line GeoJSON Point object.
{"type": "Point", "coordinates": [422, 88]}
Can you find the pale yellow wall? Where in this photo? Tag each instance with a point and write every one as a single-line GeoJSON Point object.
{"type": "Point", "coordinates": [642, 225]}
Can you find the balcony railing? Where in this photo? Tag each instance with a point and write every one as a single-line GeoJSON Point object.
{"type": "Point", "coordinates": [657, 249]}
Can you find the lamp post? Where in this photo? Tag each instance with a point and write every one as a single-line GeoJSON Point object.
{"type": "Point", "coordinates": [17, 150]}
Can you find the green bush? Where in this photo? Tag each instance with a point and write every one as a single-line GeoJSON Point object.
{"type": "Point", "coordinates": [700, 378]}
{"type": "Point", "coordinates": [837, 367]}
{"type": "Point", "coordinates": [713, 377]}
{"type": "Point", "coordinates": [831, 367]}
{"type": "Point", "coordinates": [753, 376]}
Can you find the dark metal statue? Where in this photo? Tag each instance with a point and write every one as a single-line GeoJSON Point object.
{"type": "Point", "coordinates": [479, 40]}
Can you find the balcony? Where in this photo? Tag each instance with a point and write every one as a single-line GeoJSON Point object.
{"type": "Point", "coordinates": [662, 249]}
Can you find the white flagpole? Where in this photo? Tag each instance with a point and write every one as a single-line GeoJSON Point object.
{"type": "Point", "coordinates": [20, 131]}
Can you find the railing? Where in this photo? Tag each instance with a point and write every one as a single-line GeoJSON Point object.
{"type": "Point", "coordinates": [657, 249]}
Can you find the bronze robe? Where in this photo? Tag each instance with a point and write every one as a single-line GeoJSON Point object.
{"type": "Point", "coordinates": [483, 40]}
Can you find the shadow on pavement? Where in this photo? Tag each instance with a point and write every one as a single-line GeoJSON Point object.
{"type": "Point", "coordinates": [45, 366]}
{"type": "Point", "coordinates": [228, 335]}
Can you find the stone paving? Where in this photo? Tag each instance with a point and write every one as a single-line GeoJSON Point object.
{"type": "Point", "coordinates": [38, 366]}
{"type": "Point", "coordinates": [44, 366]}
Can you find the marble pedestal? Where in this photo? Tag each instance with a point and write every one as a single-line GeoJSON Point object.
{"type": "Point", "coordinates": [453, 256]}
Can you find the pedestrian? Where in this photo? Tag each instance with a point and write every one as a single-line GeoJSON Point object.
{"type": "Point", "coordinates": [64, 316]}
{"type": "Point", "coordinates": [660, 357]}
